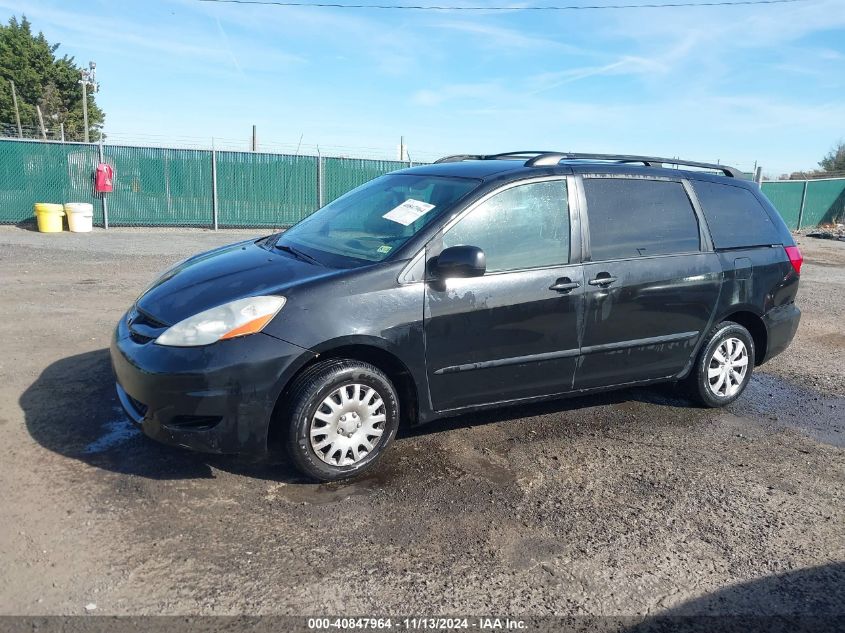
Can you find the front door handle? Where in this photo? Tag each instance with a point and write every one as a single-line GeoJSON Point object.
{"type": "Point", "coordinates": [602, 279]}
{"type": "Point", "coordinates": [564, 284]}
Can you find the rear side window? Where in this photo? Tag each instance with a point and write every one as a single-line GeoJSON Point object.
{"type": "Point", "coordinates": [639, 218]}
{"type": "Point", "coordinates": [734, 216]}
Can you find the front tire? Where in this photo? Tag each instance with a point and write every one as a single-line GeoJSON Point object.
{"type": "Point", "coordinates": [723, 368]}
{"type": "Point", "coordinates": [343, 414]}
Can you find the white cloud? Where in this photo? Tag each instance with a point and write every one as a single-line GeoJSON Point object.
{"type": "Point", "coordinates": [394, 50]}
{"type": "Point", "coordinates": [129, 38]}
{"type": "Point", "coordinates": [627, 65]}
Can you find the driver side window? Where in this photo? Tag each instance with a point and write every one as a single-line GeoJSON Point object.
{"type": "Point", "coordinates": [526, 226]}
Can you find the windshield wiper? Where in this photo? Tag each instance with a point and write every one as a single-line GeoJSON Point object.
{"type": "Point", "coordinates": [297, 253]}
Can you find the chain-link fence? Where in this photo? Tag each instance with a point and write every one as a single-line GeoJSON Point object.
{"type": "Point", "coordinates": [45, 172]}
{"type": "Point", "coordinates": [156, 186]}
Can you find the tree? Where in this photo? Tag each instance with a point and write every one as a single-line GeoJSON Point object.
{"type": "Point", "coordinates": [833, 163]}
{"type": "Point", "coordinates": [835, 159]}
{"type": "Point", "coordinates": [43, 79]}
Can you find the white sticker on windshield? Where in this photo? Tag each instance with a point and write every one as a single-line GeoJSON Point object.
{"type": "Point", "coordinates": [408, 212]}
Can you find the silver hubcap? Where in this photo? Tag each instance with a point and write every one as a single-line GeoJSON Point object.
{"type": "Point", "coordinates": [348, 425]}
{"type": "Point", "coordinates": [727, 368]}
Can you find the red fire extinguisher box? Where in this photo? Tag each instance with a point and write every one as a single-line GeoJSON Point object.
{"type": "Point", "coordinates": [104, 178]}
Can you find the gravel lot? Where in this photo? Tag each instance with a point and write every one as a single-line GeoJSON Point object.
{"type": "Point", "coordinates": [632, 503]}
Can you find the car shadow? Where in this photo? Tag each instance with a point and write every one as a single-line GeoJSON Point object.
{"type": "Point", "coordinates": [663, 395]}
{"type": "Point", "coordinates": [811, 599]}
{"type": "Point", "coordinates": [72, 409]}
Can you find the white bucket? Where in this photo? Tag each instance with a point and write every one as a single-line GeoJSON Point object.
{"type": "Point", "coordinates": [80, 216]}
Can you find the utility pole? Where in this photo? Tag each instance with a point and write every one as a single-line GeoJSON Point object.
{"type": "Point", "coordinates": [88, 78]}
{"type": "Point", "coordinates": [215, 213]}
{"type": "Point", "coordinates": [41, 121]}
{"type": "Point", "coordinates": [17, 112]}
{"type": "Point", "coordinates": [319, 179]}
{"type": "Point", "coordinates": [401, 148]}
{"type": "Point", "coordinates": [85, 109]}
{"type": "Point", "coordinates": [254, 139]}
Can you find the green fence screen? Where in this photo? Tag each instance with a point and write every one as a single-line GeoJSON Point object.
{"type": "Point", "coordinates": [786, 197]}
{"type": "Point", "coordinates": [344, 174]}
{"type": "Point", "coordinates": [265, 189]}
{"type": "Point", "coordinates": [824, 201]}
{"type": "Point", "coordinates": [175, 187]}
{"type": "Point", "coordinates": [156, 186]}
{"type": "Point", "coordinates": [44, 172]}
{"type": "Point", "coordinates": [161, 187]}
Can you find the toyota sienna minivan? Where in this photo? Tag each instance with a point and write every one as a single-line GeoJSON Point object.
{"type": "Point", "coordinates": [474, 282]}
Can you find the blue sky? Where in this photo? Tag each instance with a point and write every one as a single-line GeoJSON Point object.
{"type": "Point", "coordinates": [738, 84]}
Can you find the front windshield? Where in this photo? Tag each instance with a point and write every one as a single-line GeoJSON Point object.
{"type": "Point", "coordinates": [374, 220]}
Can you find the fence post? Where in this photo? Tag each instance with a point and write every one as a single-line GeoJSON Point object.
{"type": "Point", "coordinates": [103, 195]}
{"type": "Point", "coordinates": [319, 179]}
{"type": "Point", "coordinates": [803, 201]}
{"type": "Point", "coordinates": [214, 211]}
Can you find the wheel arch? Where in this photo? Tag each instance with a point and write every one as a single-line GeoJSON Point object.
{"type": "Point", "coordinates": [366, 349]}
{"type": "Point", "coordinates": [753, 322]}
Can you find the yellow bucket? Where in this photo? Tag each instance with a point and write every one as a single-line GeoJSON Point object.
{"type": "Point", "coordinates": [49, 217]}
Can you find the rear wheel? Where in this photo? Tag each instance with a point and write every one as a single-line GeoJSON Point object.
{"type": "Point", "coordinates": [724, 366]}
{"type": "Point", "coordinates": [343, 414]}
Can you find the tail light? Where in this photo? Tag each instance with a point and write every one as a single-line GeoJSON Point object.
{"type": "Point", "coordinates": [795, 257]}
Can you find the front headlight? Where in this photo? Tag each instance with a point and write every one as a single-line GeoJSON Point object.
{"type": "Point", "coordinates": [237, 318]}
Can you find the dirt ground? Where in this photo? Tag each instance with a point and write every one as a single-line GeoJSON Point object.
{"type": "Point", "coordinates": [631, 503]}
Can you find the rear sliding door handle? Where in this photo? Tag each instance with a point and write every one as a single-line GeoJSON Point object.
{"type": "Point", "coordinates": [565, 284]}
{"type": "Point", "coordinates": [602, 281]}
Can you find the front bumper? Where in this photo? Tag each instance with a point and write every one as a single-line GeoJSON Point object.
{"type": "Point", "coordinates": [781, 325]}
{"type": "Point", "coordinates": [217, 398]}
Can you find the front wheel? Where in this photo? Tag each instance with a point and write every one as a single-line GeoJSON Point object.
{"type": "Point", "coordinates": [724, 366]}
{"type": "Point", "coordinates": [343, 414]}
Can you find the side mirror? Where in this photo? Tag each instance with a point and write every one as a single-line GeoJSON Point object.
{"type": "Point", "coordinates": [460, 261]}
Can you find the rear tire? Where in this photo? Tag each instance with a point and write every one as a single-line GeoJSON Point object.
{"type": "Point", "coordinates": [342, 415]}
{"type": "Point", "coordinates": [723, 367]}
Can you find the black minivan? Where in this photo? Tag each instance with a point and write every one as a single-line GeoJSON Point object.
{"type": "Point", "coordinates": [477, 281]}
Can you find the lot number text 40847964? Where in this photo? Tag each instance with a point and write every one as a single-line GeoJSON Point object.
{"type": "Point", "coordinates": [418, 624]}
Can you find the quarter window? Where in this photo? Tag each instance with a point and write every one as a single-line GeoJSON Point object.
{"type": "Point", "coordinates": [522, 227]}
{"type": "Point", "coordinates": [638, 218]}
{"type": "Point", "coordinates": [734, 216]}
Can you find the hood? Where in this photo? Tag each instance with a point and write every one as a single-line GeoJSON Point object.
{"type": "Point", "coordinates": [232, 272]}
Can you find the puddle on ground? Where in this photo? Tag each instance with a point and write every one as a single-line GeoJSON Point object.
{"type": "Point", "coordinates": [334, 492]}
{"type": "Point", "coordinates": [484, 463]}
{"type": "Point", "coordinates": [480, 466]}
{"type": "Point", "coordinates": [814, 414]}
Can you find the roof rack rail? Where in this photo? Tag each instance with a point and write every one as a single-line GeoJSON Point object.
{"type": "Point", "coordinates": [456, 158]}
{"type": "Point", "coordinates": [649, 161]}
{"type": "Point", "coordinates": [548, 159]}
{"type": "Point", "coordinates": [506, 155]}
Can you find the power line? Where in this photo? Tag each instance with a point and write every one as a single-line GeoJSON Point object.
{"type": "Point", "coordinates": [569, 7]}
